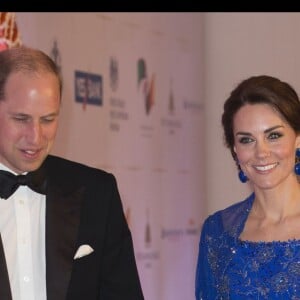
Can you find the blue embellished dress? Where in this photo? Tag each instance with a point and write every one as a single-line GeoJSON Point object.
{"type": "Point", "coordinates": [229, 268]}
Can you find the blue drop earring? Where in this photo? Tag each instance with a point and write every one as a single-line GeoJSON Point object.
{"type": "Point", "coordinates": [243, 178]}
{"type": "Point", "coordinates": [297, 164]}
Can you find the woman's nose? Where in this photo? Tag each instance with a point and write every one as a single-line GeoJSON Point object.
{"type": "Point", "coordinates": [262, 149]}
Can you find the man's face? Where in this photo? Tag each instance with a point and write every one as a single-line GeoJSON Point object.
{"type": "Point", "coordinates": [28, 119]}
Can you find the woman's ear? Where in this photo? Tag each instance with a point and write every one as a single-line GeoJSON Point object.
{"type": "Point", "coordinates": [298, 141]}
{"type": "Point", "coordinates": [234, 149]}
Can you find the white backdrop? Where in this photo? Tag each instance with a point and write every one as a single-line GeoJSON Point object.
{"type": "Point", "coordinates": [147, 130]}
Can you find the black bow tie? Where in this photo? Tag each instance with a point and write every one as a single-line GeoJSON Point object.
{"type": "Point", "coordinates": [9, 182]}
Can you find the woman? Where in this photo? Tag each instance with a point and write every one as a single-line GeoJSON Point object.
{"type": "Point", "coordinates": [251, 250]}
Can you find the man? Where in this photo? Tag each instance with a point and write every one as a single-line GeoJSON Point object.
{"type": "Point", "coordinates": [63, 231]}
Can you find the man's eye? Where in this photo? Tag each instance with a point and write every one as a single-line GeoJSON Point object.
{"type": "Point", "coordinates": [48, 119]}
{"type": "Point", "coordinates": [21, 119]}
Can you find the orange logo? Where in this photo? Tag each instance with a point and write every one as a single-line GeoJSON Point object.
{"type": "Point", "coordinates": [9, 33]}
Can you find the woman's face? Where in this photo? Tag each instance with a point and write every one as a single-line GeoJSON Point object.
{"type": "Point", "coordinates": [265, 145]}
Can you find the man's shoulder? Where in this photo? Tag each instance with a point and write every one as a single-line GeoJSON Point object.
{"type": "Point", "coordinates": [65, 167]}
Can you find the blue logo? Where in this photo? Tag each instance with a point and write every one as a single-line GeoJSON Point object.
{"type": "Point", "coordinates": [88, 88]}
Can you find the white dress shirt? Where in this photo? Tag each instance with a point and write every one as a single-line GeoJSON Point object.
{"type": "Point", "coordinates": [22, 227]}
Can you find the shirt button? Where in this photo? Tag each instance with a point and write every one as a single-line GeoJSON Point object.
{"type": "Point", "coordinates": [21, 201]}
{"type": "Point", "coordinates": [26, 278]}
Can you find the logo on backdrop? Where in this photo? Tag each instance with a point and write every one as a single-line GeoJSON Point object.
{"type": "Point", "coordinates": [118, 106]}
{"type": "Point", "coordinates": [9, 33]}
{"type": "Point", "coordinates": [147, 230]}
{"type": "Point", "coordinates": [145, 85]}
{"type": "Point", "coordinates": [113, 73]}
{"type": "Point", "coordinates": [170, 122]}
{"type": "Point", "coordinates": [171, 99]}
{"type": "Point", "coordinates": [88, 88]}
{"type": "Point", "coordinates": [55, 55]}
{"type": "Point", "coordinates": [148, 255]}
{"type": "Point", "coordinates": [175, 234]}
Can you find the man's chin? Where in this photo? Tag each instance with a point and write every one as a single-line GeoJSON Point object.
{"type": "Point", "coordinates": [32, 166]}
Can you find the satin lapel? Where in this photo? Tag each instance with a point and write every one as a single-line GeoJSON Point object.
{"type": "Point", "coordinates": [5, 293]}
{"type": "Point", "coordinates": [62, 222]}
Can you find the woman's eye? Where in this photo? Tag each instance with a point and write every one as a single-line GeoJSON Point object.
{"type": "Point", "coordinates": [275, 135]}
{"type": "Point", "coordinates": [245, 140]}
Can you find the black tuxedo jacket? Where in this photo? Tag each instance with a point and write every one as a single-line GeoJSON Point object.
{"type": "Point", "coordinates": [83, 206]}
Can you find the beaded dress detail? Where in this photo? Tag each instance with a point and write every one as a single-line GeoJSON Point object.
{"type": "Point", "coordinates": [229, 268]}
